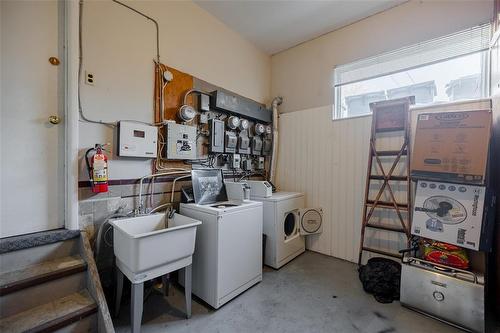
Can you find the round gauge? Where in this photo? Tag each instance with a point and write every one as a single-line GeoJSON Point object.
{"type": "Point", "coordinates": [259, 129]}
{"type": "Point", "coordinates": [187, 112]}
{"type": "Point", "coordinates": [233, 122]}
{"type": "Point", "coordinates": [269, 129]}
{"type": "Point", "coordinates": [244, 124]}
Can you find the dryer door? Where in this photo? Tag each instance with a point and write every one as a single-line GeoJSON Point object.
{"type": "Point", "coordinates": [311, 221]}
{"type": "Point", "coordinates": [291, 227]}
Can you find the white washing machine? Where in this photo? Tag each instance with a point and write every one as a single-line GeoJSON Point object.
{"type": "Point", "coordinates": [283, 212]}
{"type": "Point", "coordinates": [228, 253]}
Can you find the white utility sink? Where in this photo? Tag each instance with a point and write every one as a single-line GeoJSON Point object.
{"type": "Point", "coordinates": [153, 245]}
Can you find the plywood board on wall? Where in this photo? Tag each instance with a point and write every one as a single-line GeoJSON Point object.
{"type": "Point", "coordinates": [175, 91]}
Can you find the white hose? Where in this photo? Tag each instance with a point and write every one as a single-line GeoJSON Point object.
{"type": "Point", "coordinates": [272, 168]}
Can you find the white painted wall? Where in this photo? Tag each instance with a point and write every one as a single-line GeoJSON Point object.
{"type": "Point", "coordinates": [327, 159]}
{"type": "Point", "coordinates": [119, 47]}
{"type": "Point", "coordinates": [303, 75]}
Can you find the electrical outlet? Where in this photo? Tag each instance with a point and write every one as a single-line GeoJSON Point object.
{"type": "Point", "coordinates": [89, 78]}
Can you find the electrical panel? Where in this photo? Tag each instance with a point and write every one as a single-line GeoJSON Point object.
{"type": "Point", "coordinates": [256, 145]}
{"type": "Point", "coordinates": [181, 141]}
{"type": "Point", "coordinates": [216, 135]}
{"type": "Point", "coordinates": [235, 161]}
{"type": "Point", "coordinates": [231, 142]}
{"type": "Point", "coordinates": [242, 106]}
{"type": "Point", "coordinates": [267, 146]}
{"type": "Point", "coordinates": [260, 163]}
{"type": "Point", "coordinates": [137, 140]}
{"type": "Point", "coordinates": [203, 118]}
{"type": "Point", "coordinates": [204, 102]}
{"type": "Point", "coordinates": [247, 165]}
{"type": "Point", "coordinates": [243, 143]}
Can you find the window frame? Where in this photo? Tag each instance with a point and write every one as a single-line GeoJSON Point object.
{"type": "Point", "coordinates": [337, 112]}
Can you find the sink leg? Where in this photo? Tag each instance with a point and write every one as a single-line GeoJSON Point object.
{"type": "Point", "coordinates": [187, 289]}
{"type": "Point", "coordinates": [119, 290]}
{"type": "Point", "coordinates": [165, 281]}
{"type": "Point", "coordinates": [136, 303]}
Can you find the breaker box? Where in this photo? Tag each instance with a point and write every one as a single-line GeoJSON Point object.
{"type": "Point", "coordinates": [181, 142]}
{"type": "Point", "coordinates": [216, 135]}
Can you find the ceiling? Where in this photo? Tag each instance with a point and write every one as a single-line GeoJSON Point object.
{"type": "Point", "coordinates": [276, 25]}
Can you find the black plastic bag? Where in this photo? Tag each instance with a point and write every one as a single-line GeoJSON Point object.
{"type": "Point", "coordinates": [381, 277]}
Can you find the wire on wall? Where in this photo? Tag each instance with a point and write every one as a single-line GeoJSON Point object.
{"type": "Point", "coordinates": [80, 63]}
{"type": "Point", "coordinates": [83, 117]}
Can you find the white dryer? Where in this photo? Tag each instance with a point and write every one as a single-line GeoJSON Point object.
{"type": "Point", "coordinates": [286, 221]}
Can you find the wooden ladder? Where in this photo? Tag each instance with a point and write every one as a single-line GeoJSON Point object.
{"type": "Point", "coordinates": [388, 116]}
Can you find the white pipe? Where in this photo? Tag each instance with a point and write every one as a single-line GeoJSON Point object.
{"type": "Point", "coordinates": [173, 186]}
{"type": "Point", "coordinates": [272, 168]}
{"type": "Point", "coordinates": [157, 175]}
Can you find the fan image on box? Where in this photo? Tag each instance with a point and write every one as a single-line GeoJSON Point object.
{"type": "Point", "coordinates": [442, 210]}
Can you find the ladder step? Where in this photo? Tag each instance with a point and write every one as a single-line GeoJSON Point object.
{"type": "Point", "coordinates": [390, 129]}
{"type": "Point", "coordinates": [387, 204]}
{"type": "Point", "coordinates": [395, 178]}
{"type": "Point", "coordinates": [385, 253]}
{"type": "Point", "coordinates": [385, 227]}
{"type": "Point", "coordinates": [389, 152]}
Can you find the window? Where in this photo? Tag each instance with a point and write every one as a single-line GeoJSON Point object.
{"type": "Point", "coordinates": [449, 68]}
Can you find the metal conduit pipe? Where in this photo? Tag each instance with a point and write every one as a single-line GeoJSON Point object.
{"type": "Point", "coordinates": [173, 186]}
{"type": "Point", "coordinates": [190, 91]}
{"type": "Point", "coordinates": [141, 180]}
{"type": "Point", "coordinates": [152, 20]}
{"type": "Point", "coordinates": [272, 168]}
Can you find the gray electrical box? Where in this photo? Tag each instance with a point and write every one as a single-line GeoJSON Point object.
{"type": "Point", "coordinates": [243, 143]}
{"type": "Point", "coordinates": [216, 135]}
{"type": "Point", "coordinates": [260, 163]}
{"type": "Point", "coordinates": [242, 106]}
{"type": "Point", "coordinates": [256, 145]}
{"type": "Point", "coordinates": [181, 142]}
{"type": "Point", "coordinates": [247, 165]}
{"type": "Point", "coordinates": [203, 118]}
{"type": "Point", "coordinates": [267, 146]}
{"type": "Point", "coordinates": [204, 102]}
{"type": "Point", "coordinates": [235, 161]}
{"type": "Point", "coordinates": [231, 142]}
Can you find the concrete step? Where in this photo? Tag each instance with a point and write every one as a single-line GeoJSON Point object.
{"type": "Point", "coordinates": [52, 316]}
{"type": "Point", "coordinates": [40, 273]}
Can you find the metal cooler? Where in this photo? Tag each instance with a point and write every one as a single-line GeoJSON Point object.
{"type": "Point", "coordinates": [451, 295]}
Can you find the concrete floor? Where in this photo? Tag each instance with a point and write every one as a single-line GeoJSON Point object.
{"type": "Point", "coordinates": [313, 293]}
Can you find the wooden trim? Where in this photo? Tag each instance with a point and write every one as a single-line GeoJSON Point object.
{"type": "Point", "coordinates": [94, 287]}
{"type": "Point", "coordinates": [135, 181]}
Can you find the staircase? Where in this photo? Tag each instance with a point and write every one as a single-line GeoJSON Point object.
{"type": "Point", "coordinates": [47, 285]}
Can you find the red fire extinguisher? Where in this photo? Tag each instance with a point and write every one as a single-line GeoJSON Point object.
{"type": "Point", "coordinates": [97, 166]}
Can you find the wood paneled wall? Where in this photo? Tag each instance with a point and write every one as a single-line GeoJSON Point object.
{"type": "Point", "coordinates": [327, 161]}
